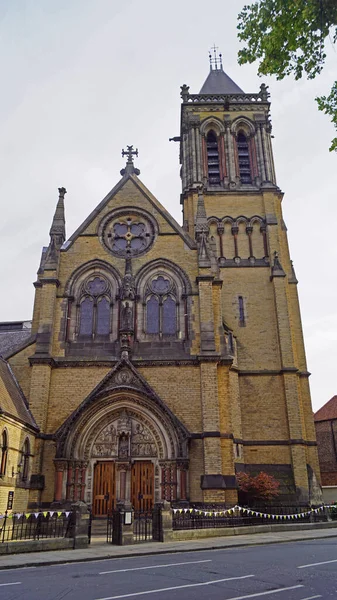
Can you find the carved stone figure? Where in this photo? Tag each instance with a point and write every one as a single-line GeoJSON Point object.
{"type": "Point", "coordinates": [127, 316]}
{"type": "Point", "coordinates": [123, 449]}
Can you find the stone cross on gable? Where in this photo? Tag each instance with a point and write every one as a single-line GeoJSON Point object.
{"type": "Point", "coordinates": [129, 168]}
{"type": "Point", "coordinates": [130, 152]}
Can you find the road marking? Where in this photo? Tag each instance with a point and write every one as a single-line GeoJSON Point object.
{"type": "Point", "coordinates": [177, 587]}
{"type": "Point", "coordinates": [5, 570]}
{"type": "Point", "coordinates": [312, 597]}
{"type": "Point", "coordinates": [192, 562]}
{"type": "Point", "coordinates": [13, 583]}
{"type": "Point", "coordinates": [326, 562]}
{"type": "Point", "coordinates": [294, 587]}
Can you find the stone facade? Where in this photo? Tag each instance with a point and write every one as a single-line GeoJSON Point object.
{"type": "Point", "coordinates": [164, 359]}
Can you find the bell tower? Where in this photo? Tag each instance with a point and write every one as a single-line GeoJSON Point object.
{"type": "Point", "coordinates": [227, 169]}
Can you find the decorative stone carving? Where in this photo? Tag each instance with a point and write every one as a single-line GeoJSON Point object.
{"type": "Point", "coordinates": [142, 442]}
{"type": "Point", "coordinates": [106, 442]}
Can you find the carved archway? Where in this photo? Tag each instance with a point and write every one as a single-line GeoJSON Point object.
{"type": "Point", "coordinates": [123, 427]}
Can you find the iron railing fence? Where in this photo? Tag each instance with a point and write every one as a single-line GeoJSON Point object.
{"type": "Point", "coordinates": [142, 526]}
{"type": "Point", "coordinates": [36, 526]}
{"type": "Point", "coordinates": [217, 516]}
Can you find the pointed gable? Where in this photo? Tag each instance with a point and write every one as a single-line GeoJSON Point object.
{"type": "Point", "coordinates": [12, 400]}
{"type": "Point", "coordinates": [138, 196]}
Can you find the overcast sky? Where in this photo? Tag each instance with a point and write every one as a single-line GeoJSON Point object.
{"type": "Point", "coordinates": [83, 78]}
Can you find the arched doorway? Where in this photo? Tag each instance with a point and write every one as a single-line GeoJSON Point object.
{"type": "Point", "coordinates": [123, 447]}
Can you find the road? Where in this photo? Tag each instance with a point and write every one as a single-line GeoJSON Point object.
{"type": "Point", "coordinates": [289, 571]}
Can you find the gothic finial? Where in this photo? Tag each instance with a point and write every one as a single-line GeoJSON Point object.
{"type": "Point", "coordinates": [57, 231]}
{"type": "Point", "coordinates": [184, 92]}
{"type": "Point", "coordinates": [62, 192]}
{"type": "Point", "coordinates": [264, 94]}
{"type": "Point", "coordinates": [215, 61]}
{"type": "Point", "coordinates": [130, 168]}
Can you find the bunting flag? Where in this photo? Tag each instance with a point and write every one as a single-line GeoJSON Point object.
{"type": "Point", "coordinates": [249, 511]}
{"type": "Point", "coordinates": [45, 513]}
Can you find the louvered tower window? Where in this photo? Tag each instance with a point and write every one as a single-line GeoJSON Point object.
{"type": "Point", "coordinates": [213, 159]}
{"type": "Point", "coordinates": [243, 156]}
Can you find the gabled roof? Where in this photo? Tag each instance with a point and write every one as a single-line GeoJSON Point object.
{"type": "Point", "coordinates": [218, 82]}
{"type": "Point", "coordinates": [12, 400]}
{"type": "Point", "coordinates": [155, 203]}
{"type": "Point", "coordinates": [328, 411]}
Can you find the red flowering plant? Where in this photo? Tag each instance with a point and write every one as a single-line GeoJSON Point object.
{"type": "Point", "coordinates": [261, 487]}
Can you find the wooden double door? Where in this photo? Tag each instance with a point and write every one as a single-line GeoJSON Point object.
{"type": "Point", "coordinates": [105, 483]}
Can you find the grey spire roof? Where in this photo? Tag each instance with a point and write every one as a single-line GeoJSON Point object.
{"type": "Point", "coordinates": [218, 82]}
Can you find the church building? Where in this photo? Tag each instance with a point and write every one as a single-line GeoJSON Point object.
{"type": "Point", "coordinates": [164, 358]}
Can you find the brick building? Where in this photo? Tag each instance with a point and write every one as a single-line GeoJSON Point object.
{"type": "Point", "coordinates": [165, 358]}
{"type": "Point", "coordinates": [326, 433]}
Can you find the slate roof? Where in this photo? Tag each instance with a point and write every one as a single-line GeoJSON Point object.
{"type": "Point", "coordinates": [12, 399]}
{"type": "Point", "coordinates": [12, 338]}
{"type": "Point", "coordinates": [328, 411]}
{"type": "Point", "coordinates": [218, 82]}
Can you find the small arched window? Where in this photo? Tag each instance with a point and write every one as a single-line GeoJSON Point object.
{"type": "Point", "coordinates": [161, 307]}
{"type": "Point", "coordinates": [4, 453]}
{"type": "Point", "coordinates": [95, 308]}
{"type": "Point", "coordinates": [243, 158]}
{"type": "Point", "coordinates": [213, 162]}
{"type": "Point", "coordinates": [25, 460]}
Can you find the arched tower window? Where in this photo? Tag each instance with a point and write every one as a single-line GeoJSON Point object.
{"type": "Point", "coordinates": [213, 162]}
{"type": "Point", "coordinates": [25, 460]}
{"type": "Point", "coordinates": [94, 318]}
{"type": "Point", "coordinates": [243, 158]}
{"type": "Point", "coordinates": [4, 453]}
{"type": "Point", "coordinates": [161, 307]}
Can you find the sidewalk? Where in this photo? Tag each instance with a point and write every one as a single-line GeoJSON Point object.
{"type": "Point", "coordinates": [98, 550]}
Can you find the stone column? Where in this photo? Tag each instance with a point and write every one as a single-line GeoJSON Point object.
{"type": "Point", "coordinates": [60, 466]}
{"type": "Point", "coordinates": [260, 153]}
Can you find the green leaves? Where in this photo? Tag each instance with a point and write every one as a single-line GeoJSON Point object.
{"type": "Point", "coordinates": [328, 105]}
{"type": "Point", "coordinates": [287, 37]}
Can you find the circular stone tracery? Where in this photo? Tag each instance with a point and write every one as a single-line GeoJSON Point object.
{"type": "Point", "coordinates": [127, 233]}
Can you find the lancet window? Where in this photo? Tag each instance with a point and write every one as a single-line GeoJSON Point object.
{"type": "Point", "coordinates": [25, 460]}
{"type": "Point", "coordinates": [94, 314]}
{"type": "Point", "coordinates": [213, 160]}
{"type": "Point", "coordinates": [244, 158]}
{"type": "Point", "coordinates": [4, 453]}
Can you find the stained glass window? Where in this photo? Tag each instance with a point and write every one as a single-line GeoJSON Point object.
{"type": "Point", "coordinates": [96, 286]}
{"type": "Point", "coordinates": [152, 316]}
{"type": "Point", "coordinates": [169, 316]}
{"type": "Point", "coordinates": [86, 317]}
{"type": "Point", "coordinates": [103, 317]}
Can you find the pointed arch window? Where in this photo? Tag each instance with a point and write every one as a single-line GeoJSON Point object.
{"type": "Point", "coordinates": [94, 318]}
{"type": "Point", "coordinates": [161, 307]}
{"type": "Point", "coordinates": [213, 160]}
{"type": "Point", "coordinates": [244, 158]}
{"type": "Point", "coordinates": [4, 453]}
{"type": "Point", "coordinates": [25, 460]}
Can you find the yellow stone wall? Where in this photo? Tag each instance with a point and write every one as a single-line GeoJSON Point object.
{"type": "Point", "coordinates": [17, 435]}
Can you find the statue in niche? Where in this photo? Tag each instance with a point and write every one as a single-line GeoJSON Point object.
{"type": "Point", "coordinates": [123, 449]}
{"type": "Point", "coordinates": [127, 316]}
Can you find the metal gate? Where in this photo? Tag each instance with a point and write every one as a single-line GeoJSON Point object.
{"type": "Point", "coordinates": [147, 526]}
